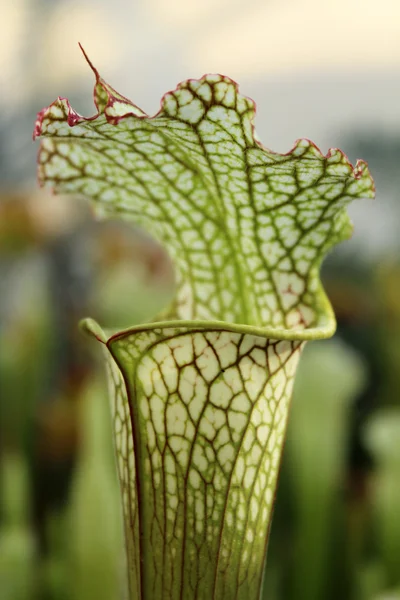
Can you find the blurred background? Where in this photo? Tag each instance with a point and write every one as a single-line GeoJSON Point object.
{"type": "Point", "coordinates": [328, 71]}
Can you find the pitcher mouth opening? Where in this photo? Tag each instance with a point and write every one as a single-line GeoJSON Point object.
{"type": "Point", "coordinates": [325, 328]}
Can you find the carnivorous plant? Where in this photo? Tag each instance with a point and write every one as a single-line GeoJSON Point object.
{"type": "Point", "coordinates": [201, 393]}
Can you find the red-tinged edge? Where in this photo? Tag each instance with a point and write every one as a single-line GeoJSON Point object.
{"type": "Point", "coordinates": [113, 95]}
{"type": "Point", "coordinates": [73, 118]}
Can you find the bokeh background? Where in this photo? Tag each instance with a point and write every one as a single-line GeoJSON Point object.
{"type": "Point", "coordinates": [325, 70]}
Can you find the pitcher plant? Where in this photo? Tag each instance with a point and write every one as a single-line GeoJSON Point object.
{"type": "Point", "coordinates": [201, 394]}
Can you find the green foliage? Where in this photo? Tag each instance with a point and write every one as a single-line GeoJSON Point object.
{"type": "Point", "coordinates": [317, 442]}
{"type": "Point", "coordinates": [383, 438]}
